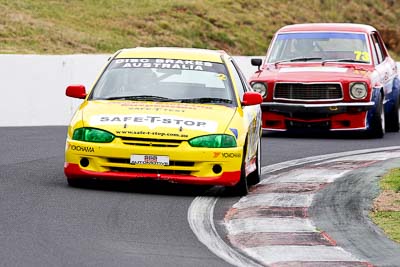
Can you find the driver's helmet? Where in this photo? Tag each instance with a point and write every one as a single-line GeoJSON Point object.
{"type": "Point", "coordinates": [142, 78]}
{"type": "Point", "coordinates": [304, 47]}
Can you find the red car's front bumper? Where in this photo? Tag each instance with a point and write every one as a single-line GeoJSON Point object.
{"type": "Point", "coordinates": [334, 117]}
{"type": "Point", "coordinates": [73, 171]}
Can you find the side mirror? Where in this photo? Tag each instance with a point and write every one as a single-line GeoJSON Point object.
{"type": "Point", "coordinates": [76, 91]}
{"type": "Point", "coordinates": [252, 98]}
{"type": "Point", "coordinates": [256, 62]}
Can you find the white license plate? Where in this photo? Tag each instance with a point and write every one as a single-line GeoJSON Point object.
{"type": "Point", "coordinates": [150, 159]}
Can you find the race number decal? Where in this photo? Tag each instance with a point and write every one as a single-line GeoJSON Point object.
{"type": "Point", "coordinates": [361, 55]}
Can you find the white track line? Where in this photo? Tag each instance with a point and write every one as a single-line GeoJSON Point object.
{"type": "Point", "coordinates": [305, 176]}
{"type": "Point", "coordinates": [201, 210]}
{"type": "Point", "coordinates": [273, 254]}
{"type": "Point", "coordinates": [270, 225]}
{"type": "Point", "coordinates": [372, 156]}
{"type": "Point", "coordinates": [200, 217]}
{"type": "Point", "coordinates": [286, 200]}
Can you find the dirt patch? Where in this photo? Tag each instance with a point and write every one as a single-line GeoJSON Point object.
{"type": "Point", "coordinates": [388, 200]}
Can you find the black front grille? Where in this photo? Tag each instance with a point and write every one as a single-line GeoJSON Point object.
{"type": "Point", "coordinates": [171, 162]}
{"type": "Point", "coordinates": [308, 116]}
{"type": "Point", "coordinates": [321, 125]}
{"type": "Point", "coordinates": [153, 171]}
{"type": "Point", "coordinates": [150, 142]}
{"type": "Point", "coordinates": [308, 91]}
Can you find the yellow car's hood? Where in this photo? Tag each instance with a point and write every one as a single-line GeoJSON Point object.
{"type": "Point", "coordinates": [156, 120]}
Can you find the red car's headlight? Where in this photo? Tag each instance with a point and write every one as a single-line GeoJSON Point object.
{"type": "Point", "coordinates": [260, 88]}
{"type": "Point", "coordinates": [358, 90]}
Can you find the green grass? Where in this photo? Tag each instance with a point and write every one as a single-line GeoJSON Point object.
{"type": "Point", "coordinates": [391, 180]}
{"type": "Point", "coordinates": [240, 27]}
{"type": "Point", "coordinates": [389, 221]}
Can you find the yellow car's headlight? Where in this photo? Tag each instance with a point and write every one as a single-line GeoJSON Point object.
{"type": "Point", "coordinates": [92, 135]}
{"type": "Point", "coordinates": [213, 141]}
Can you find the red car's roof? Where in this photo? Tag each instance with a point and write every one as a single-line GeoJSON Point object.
{"type": "Point", "coordinates": [348, 27]}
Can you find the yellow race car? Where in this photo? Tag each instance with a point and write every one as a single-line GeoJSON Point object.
{"type": "Point", "coordinates": [178, 114]}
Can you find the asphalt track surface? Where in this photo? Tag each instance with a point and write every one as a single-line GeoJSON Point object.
{"type": "Point", "coordinates": [43, 222]}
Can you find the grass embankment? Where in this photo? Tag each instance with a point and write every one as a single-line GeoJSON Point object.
{"type": "Point", "coordinates": [386, 213]}
{"type": "Point", "coordinates": [240, 27]}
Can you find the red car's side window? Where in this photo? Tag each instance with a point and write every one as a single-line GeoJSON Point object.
{"type": "Point", "coordinates": [378, 47]}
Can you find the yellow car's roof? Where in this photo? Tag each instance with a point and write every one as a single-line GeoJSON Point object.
{"type": "Point", "coordinates": [172, 53]}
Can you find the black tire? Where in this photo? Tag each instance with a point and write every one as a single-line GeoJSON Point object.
{"type": "Point", "coordinates": [242, 187]}
{"type": "Point", "coordinates": [392, 118]}
{"type": "Point", "coordinates": [377, 127]}
{"type": "Point", "coordinates": [255, 176]}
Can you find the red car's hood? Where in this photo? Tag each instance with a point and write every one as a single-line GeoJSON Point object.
{"type": "Point", "coordinates": [314, 73]}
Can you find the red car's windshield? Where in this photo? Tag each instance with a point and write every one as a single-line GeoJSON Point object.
{"type": "Point", "coordinates": [320, 46]}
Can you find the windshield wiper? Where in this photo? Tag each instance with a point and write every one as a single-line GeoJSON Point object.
{"type": "Point", "coordinates": [166, 99]}
{"type": "Point", "coordinates": [206, 100]}
{"type": "Point", "coordinates": [343, 60]}
{"type": "Point", "coordinates": [297, 59]}
{"type": "Point", "coordinates": [140, 98]}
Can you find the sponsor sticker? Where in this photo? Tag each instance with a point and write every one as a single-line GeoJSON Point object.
{"type": "Point", "coordinates": [157, 106]}
{"type": "Point", "coordinates": [153, 121]}
{"type": "Point", "coordinates": [161, 63]}
{"type": "Point", "coordinates": [227, 155]}
{"type": "Point", "coordinates": [150, 159]}
{"type": "Point", "coordinates": [81, 148]}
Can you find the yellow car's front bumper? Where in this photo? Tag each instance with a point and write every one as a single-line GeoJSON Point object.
{"type": "Point", "coordinates": [194, 165]}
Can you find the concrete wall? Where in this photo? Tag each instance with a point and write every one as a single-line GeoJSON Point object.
{"type": "Point", "coordinates": [33, 86]}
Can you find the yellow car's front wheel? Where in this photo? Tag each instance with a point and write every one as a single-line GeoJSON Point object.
{"type": "Point", "coordinates": [242, 187]}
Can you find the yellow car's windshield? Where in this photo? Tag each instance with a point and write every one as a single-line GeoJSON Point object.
{"type": "Point", "coordinates": [165, 80]}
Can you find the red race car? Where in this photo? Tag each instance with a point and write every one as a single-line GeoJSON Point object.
{"type": "Point", "coordinates": [328, 76]}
